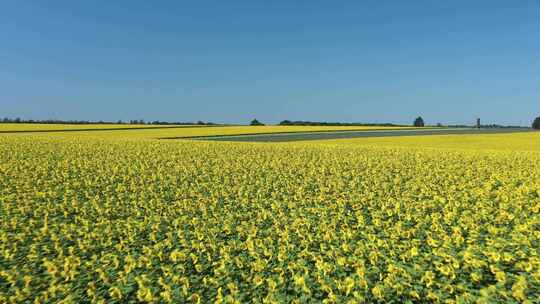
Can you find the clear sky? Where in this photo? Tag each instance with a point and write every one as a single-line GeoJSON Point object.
{"type": "Point", "coordinates": [231, 61]}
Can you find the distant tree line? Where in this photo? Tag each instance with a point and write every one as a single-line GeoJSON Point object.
{"type": "Point", "coordinates": [496, 126]}
{"type": "Point", "coordinates": [89, 122]}
{"type": "Point", "coordinates": [203, 123]}
{"type": "Point", "coordinates": [324, 123]}
{"type": "Point", "coordinates": [457, 126]}
{"type": "Point", "coordinates": [418, 122]}
{"type": "Point", "coordinates": [489, 126]}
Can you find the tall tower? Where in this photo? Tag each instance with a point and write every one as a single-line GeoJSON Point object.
{"type": "Point", "coordinates": [478, 123]}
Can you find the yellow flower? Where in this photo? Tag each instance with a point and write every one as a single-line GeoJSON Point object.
{"type": "Point", "coordinates": [115, 293]}
{"type": "Point", "coordinates": [414, 252]}
{"type": "Point", "coordinates": [519, 288]}
{"type": "Point", "coordinates": [377, 292]}
{"type": "Point", "coordinates": [476, 277]}
{"type": "Point", "coordinates": [500, 276]}
{"type": "Point", "coordinates": [349, 284]}
{"type": "Point", "coordinates": [195, 298]}
{"type": "Point", "coordinates": [428, 278]}
{"type": "Point", "coordinates": [300, 282]}
{"type": "Point", "coordinates": [414, 294]}
{"type": "Point", "coordinates": [144, 294]}
{"type": "Point", "coordinates": [166, 295]}
{"type": "Point", "coordinates": [258, 280]}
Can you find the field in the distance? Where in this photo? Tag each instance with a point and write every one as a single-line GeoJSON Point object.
{"type": "Point", "coordinates": [114, 216]}
{"type": "Point", "coordinates": [186, 131]}
{"type": "Point", "coordinates": [29, 127]}
{"type": "Point", "coordinates": [518, 142]}
{"type": "Point", "coordinates": [351, 134]}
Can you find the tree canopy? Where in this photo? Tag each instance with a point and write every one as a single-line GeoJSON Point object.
{"type": "Point", "coordinates": [536, 124]}
{"type": "Point", "coordinates": [255, 122]}
{"type": "Point", "coordinates": [418, 122]}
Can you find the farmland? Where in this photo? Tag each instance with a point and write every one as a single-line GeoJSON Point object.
{"type": "Point", "coordinates": [349, 134]}
{"type": "Point", "coordinates": [122, 216]}
{"type": "Point", "coordinates": [28, 127]}
{"type": "Point", "coordinates": [171, 132]}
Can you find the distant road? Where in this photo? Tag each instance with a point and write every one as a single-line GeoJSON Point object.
{"type": "Point", "coordinates": [303, 136]}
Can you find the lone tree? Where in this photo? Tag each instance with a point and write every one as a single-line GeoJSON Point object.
{"type": "Point", "coordinates": [418, 122]}
{"type": "Point", "coordinates": [536, 124]}
{"type": "Point", "coordinates": [255, 122]}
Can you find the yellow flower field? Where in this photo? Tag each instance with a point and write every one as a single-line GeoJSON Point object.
{"type": "Point", "coordinates": [527, 141]}
{"type": "Point", "coordinates": [10, 127]}
{"type": "Point", "coordinates": [156, 131]}
{"type": "Point", "coordinates": [95, 219]}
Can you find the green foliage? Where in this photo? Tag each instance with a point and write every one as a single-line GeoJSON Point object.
{"type": "Point", "coordinates": [418, 122]}
{"type": "Point", "coordinates": [255, 122]}
{"type": "Point", "coordinates": [536, 124]}
{"type": "Point", "coordinates": [325, 123]}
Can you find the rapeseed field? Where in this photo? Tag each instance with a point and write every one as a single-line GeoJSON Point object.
{"type": "Point", "coordinates": [524, 141]}
{"type": "Point", "coordinates": [17, 127]}
{"type": "Point", "coordinates": [85, 219]}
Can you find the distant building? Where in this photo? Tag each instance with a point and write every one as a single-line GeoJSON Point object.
{"type": "Point", "coordinates": [478, 123]}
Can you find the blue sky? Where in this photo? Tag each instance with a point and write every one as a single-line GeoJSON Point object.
{"type": "Point", "coordinates": [231, 61]}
